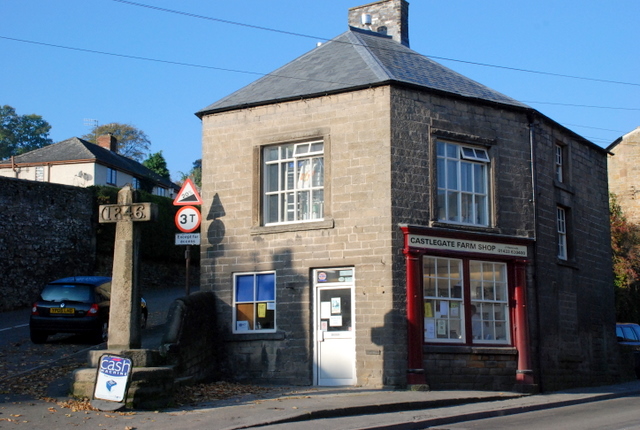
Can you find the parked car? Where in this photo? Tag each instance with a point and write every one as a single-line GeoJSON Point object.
{"type": "Point", "coordinates": [78, 305]}
{"type": "Point", "coordinates": [629, 334]}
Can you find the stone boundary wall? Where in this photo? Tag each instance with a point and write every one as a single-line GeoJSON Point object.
{"type": "Point", "coordinates": [46, 232]}
{"type": "Point", "coordinates": [189, 342]}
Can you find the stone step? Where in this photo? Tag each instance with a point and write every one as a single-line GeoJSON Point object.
{"type": "Point", "coordinates": [150, 387]}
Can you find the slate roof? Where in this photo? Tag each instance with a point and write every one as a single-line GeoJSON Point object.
{"type": "Point", "coordinates": [75, 149]}
{"type": "Point", "coordinates": [355, 59]}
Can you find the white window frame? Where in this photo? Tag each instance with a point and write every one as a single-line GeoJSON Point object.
{"type": "Point", "coordinates": [39, 173]}
{"type": "Point", "coordinates": [449, 301]}
{"type": "Point", "coordinates": [559, 163]}
{"type": "Point", "coordinates": [112, 176]}
{"type": "Point", "coordinates": [462, 184]}
{"type": "Point", "coordinates": [561, 223]}
{"type": "Point", "coordinates": [293, 183]}
{"type": "Point", "coordinates": [260, 306]}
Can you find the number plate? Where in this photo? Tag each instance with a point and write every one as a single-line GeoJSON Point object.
{"type": "Point", "coordinates": [65, 311]}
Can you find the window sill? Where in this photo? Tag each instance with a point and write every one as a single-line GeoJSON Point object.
{"type": "Point", "coordinates": [466, 349]}
{"type": "Point", "coordinates": [249, 337]}
{"type": "Point", "coordinates": [568, 263]}
{"type": "Point", "coordinates": [283, 228]}
{"type": "Point", "coordinates": [563, 186]}
{"type": "Point", "coordinates": [466, 227]}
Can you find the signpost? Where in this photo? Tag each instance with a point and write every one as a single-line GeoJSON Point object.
{"type": "Point", "coordinates": [188, 220]}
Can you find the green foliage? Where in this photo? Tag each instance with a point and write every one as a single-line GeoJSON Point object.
{"type": "Point", "coordinates": [195, 173]}
{"type": "Point", "coordinates": [157, 241]}
{"type": "Point", "coordinates": [132, 143]}
{"type": "Point", "coordinates": [625, 247]}
{"type": "Point", "coordinates": [21, 133]}
{"type": "Point", "coordinates": [158, 164]}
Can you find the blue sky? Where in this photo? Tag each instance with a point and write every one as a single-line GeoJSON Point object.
{"type": "Point", "coordinates": [576, 44]}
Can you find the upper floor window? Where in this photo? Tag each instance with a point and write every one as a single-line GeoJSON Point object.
{"type": "Point", "coordinates": [463, 175]}
{"type": "Point", "coordinates": [112, 176]}
{"type": "Point", "coordinates": [559, 163]}
{"type": "Point", "coordinates": [135, 182]}
{"type": "Point", "coordinates": [159, 191]}
{"type": "Point", "coordinates": [562, 233]}
{"type": "Point", "coordinates": [293, 182]}
{"type": "Point", "coordinates": [254, 302]}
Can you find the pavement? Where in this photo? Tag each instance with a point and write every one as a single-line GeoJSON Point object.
{"type": "Point", "coordinates": [309, 408]}
{"type": "Point", "coordinates": [296, 407]}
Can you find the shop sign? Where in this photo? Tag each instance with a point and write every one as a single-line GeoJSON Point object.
{"type": "Point", "coordinates": [462, 245]}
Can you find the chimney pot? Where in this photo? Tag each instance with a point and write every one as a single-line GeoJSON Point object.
{"type": "Point", "coordinates": [390, 17]}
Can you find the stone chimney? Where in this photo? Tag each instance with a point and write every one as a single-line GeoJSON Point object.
{"type": "Point", "coordinates": [108, 141]}
{"type": "Point", "coordinates": [390, 17]}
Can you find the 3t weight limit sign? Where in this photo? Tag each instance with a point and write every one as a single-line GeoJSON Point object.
{"type": "Point", "coordinates": [188, 219]}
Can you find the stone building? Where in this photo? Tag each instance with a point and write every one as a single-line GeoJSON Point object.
{"type": "Point", "coordinates": [624, 173]}
{"type": "Point", "coordinates": [373, 218]}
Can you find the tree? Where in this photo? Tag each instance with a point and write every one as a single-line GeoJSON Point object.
{"type": "Point", "coordinates": [132, 143]}
{"type": "Point", "coordinates": [158, 164]}
{"type": "Point", "coordinates": [625, 247]}
{"type": "Point", "coordinates": [195, 173]}
{"type": "Point", "coordinates": [21, 133]}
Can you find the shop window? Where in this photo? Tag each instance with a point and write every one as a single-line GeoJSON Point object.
{"type": "Point", "coordinates": [39, 173]}
{"type": "Point", "coordinates": [254, 302]}
{"type": "Point", "coordinates": [463, 188]}
{"type": "Point", "coordinates": [465, 311]}
{"type": "Point", "coordinates": [293, 183]}
{"type": "Point", "coordinates": [561, 224]}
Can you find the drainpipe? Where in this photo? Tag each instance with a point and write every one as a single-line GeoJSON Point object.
{"type": "Point", "coordinates": [14, 167]}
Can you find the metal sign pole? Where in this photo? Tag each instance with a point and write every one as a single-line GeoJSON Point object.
{"type": "Point", "coordinates": [187, 256]}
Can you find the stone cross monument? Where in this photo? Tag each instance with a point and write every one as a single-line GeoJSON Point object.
{"type": "Point", "coordinates": [124, 315]}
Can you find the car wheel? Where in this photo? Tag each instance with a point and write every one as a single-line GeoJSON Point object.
{"type": "Point", "coordinates": [103, 333]}
{"type": "Point", "coordinates": [38, 336]}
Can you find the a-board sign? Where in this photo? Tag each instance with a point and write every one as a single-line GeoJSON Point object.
{"type": "Point", "coordinates": [112, 382]}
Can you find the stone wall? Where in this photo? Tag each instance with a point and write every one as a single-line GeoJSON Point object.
{"type": "Point", "coordinates": [46, 232]}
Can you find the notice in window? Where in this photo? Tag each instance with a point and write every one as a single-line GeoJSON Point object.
{"type": "Point", "coordinates": [336, 308]}
{"type": "Point", "coordinates": [428, 310]}
{"type": "Point", "coordinates": [325, 310]}
{"type": "Point", "coordinates": [242, 325]}
{"type": "Point", "coordinates": [442, 328]}
{"type": "Point", "coordinates": [444, 308]}
{"type": "Point", "coordinates": [335, 321]}
{"type": "Point", "coordinates": [262, 310]}
{"type": "Point", "coordinates": [429, 329]}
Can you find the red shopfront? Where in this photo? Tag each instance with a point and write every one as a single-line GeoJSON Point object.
{"type": "Point", "coordinates": [467, 310]}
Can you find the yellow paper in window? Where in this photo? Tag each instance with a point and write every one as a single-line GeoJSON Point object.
{"type": "Point", "coordinates": [428, 310]}
{"type": "Point", "coordinates": [262, 310]}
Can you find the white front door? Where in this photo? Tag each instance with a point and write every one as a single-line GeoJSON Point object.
{"type": "Point", "coordinates": [335, 352]}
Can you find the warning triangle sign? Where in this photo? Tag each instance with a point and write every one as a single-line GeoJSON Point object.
{"type": "Point", "coordinates": [188, 195]}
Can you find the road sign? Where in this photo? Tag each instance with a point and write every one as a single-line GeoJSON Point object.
{"type": "Point", "coordinates": [188, 219]}
{"type": "Point", "coordinates": [187, 238]}
{"type": "Point", "coordinates": [188, 195]}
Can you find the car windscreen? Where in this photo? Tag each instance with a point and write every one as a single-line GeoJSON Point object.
{"type": "Point", "coordinates": [67, 293]}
